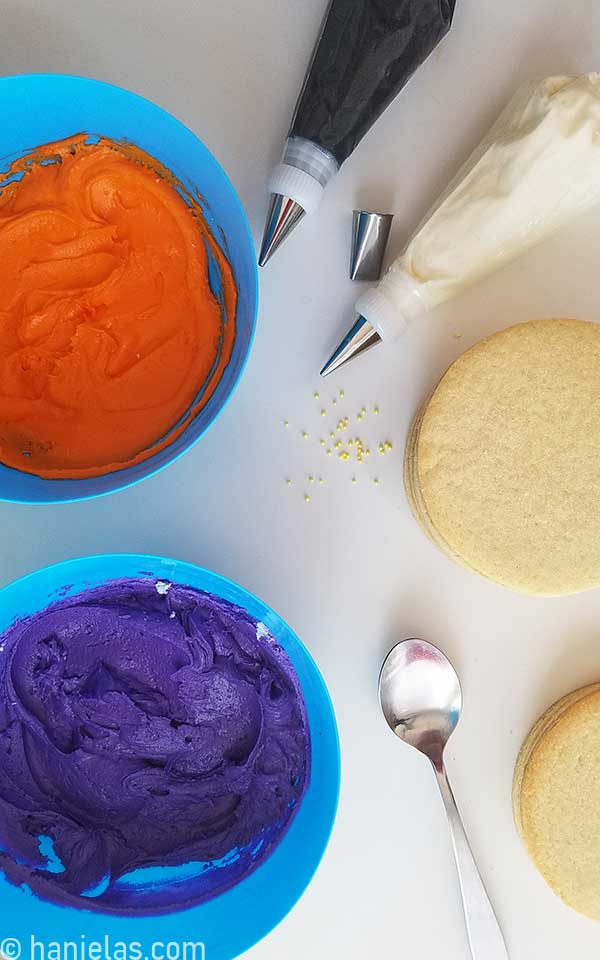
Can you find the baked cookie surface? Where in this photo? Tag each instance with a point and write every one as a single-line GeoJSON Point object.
{"type": "Point", "coordinates": [502, 464]}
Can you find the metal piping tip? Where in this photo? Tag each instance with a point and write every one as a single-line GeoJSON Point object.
{"type": "Point", "coordinates": [370, 232]}
{"type": "Point", "coordinates": [284, 215]}
{"type": "Point", "coordinates": [361, 336]}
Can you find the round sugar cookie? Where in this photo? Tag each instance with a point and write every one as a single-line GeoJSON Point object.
{"type": "Point", "coordinates": [502, 465]}
{"type": "Point", "coordinates": [556, 798]}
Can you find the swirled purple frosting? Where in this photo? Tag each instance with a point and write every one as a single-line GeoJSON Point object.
{"type": "Point", "coordinates": [154, 747]}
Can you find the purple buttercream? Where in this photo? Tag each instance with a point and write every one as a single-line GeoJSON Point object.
{"type": "Point", "coordinates": [144, 727]}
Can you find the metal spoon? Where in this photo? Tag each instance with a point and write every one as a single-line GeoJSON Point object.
{"type": "Point", "coordinates": [421, 699]}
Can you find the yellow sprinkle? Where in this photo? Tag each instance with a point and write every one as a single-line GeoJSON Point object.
{"type": "Point", "coordinates": [322, 442]}
{"type": "Point", "coordinates": [323, 413]}
{"type": "Point", "coordinates": [353, 479]}
{"type": "Point", "coordinates": [359, 458]}
{"type": "Point", "coordinates": [289, 482]}
{"type": "Point", "coordinates": [286, 423]}
{"type": "Point", "coordinates": [388, 445]}
{"type": "Point", "coordinates": [350, 443]}
{"type": "Point", "coordinates": [342, 394]}
{"type": "Point", "coordinates": [334, 401]}
{"type": "Point", "coordinates": [305, 435]}
{"type": "Point", "coordinates": [367, 453]}
{"type": "Point", "coordinates": [317, 396]}
{"type": "Point", "coordinates": [337, 444]}
{"type": "Point", "coordinates": [376, 481]}
{"type": "Point", "coordinates": [363, 409]}
{"type": "Point", "coordinates": [375, 410]}
{"type": "Point", "coordinates": [329, 452]}
{"type": "Point", "coordinates": [344, 455]}
{"type": "Point", "coordinates": [306, 498]}
{"type": "Point", "coordinates": [332, 434]}
{"type": "Point", "coordinates": [321, 480]}
{"type": "Point", "coordinates": [359, 417]}
{"type": "Point", "coordinates": [311, 479]}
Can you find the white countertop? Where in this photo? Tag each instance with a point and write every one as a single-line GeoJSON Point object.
{"type": "Point", "coordinates": [351, 571]}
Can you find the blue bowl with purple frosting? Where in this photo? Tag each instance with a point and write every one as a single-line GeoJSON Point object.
{"type": "Point", "coordinates": [169, 762]}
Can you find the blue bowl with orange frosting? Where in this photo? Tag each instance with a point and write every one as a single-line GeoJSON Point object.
{"type": "Point", "coordinates": [226, 924]}
{"type": "Point", "coordinates": [41, 109]}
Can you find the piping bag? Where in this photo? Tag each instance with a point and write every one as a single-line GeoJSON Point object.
{"type": "Point", "coordinates": [537, 169]}
{"type": "Point", "coordinates": [365, 54]}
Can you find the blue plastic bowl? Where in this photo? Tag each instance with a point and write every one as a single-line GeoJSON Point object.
{"type": "Point", "coordinates": [232, 922]}
{"type": "Point", "coordinates": [39, 108]}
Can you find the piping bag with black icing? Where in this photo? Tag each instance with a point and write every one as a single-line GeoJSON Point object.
{"type": "Point", "coordinates": [534, 172]}
{"type": "Point", "coordinates": [365, 54]}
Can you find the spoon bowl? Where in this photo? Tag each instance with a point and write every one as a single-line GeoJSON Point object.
{"type": "Point", "coordinates": [420, 696]}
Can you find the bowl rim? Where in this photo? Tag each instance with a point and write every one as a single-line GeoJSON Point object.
{"type": "Point", "coordinates": [254, 293]}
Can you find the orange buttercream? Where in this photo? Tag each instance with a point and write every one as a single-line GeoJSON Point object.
{"type": "Point", "coordinates": [111, 339]}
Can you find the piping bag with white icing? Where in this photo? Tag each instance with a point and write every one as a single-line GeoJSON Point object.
{"type": "Point", "coordinates": [536, 170]}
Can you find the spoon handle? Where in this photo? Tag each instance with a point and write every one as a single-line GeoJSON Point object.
{"type": "Point", "coordinates": [485, 937]}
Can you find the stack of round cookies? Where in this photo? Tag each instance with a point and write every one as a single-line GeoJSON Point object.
{"type": "Point", "coordinates": [556, 798]}
{"type": "Point", "coordinates": [502, 464]}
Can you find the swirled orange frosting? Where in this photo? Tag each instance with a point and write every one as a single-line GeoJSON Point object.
{"type": "Point", "coordinates": [111, 338]}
